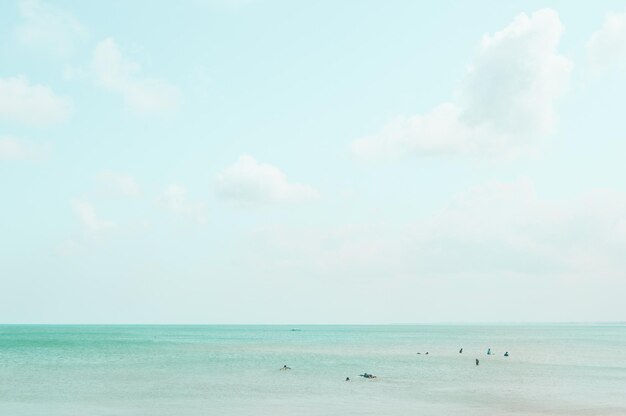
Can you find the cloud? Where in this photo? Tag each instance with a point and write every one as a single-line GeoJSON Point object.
{"type": "Point", "coordinates": [175, 199]}
{"type": "Point", "coordinates": [27, 103]}
{"type": "Point", "coordinates": [88, 218]}
{"type": "Point", "coordinates": [14, 149]}
{"type": "Point", "coordinates": [481, 257]}
{"type": "Point", "coordinates": [49, 28]}
{"type": "Point", "coordinates": [607, 47]}
{"type": "Point", "coordinates": [507, 227]}
{"type": "Point", "coordinates": [249, 181]}
{"type": "Point", "coordinates": [506, 101]}
{"type": "Point", "coordinates": [119, 183]}
{"type": "Point", "coordinates": [118, 74]}
{"type": "Point", "coordinates": [492, 232]}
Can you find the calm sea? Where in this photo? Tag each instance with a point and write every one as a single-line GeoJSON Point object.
{"type": "Point", "coordinates": [234, 370]}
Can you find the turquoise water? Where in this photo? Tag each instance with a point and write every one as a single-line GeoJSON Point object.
{"type": "Point", "coordinates": [234, 370]}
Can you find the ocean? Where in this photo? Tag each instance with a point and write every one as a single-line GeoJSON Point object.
{"type": "Point", "coordinates": [235, 370]}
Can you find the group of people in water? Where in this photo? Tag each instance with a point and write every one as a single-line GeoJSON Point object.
{"type": "Point", "coordinates": [367, 375]}
{"type": "Point", "coordinates": [506, 354]}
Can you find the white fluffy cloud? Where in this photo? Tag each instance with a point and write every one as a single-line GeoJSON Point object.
{"type": "Point", "coordinates": [506, 102]}
{"type": "Point", "coordinates": [23, 102]}
{"type": "Point", "coordinates": [119, 183]}
{"type": "Point", "coordinates": [249, 181]}
{"type": "Point", "coordinates": [141, 94]}
{"type": "Point", "coordinates": [175, 199]}
{"type": "Point", "coordinates": [607, 47]}
{"type": "Point", "coordinates": [88, 218]}
{"type": "Point", "coordinates": [49, 28]}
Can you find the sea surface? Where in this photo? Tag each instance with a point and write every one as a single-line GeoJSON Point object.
{"type": "Point", "coordinates": [235, 370]}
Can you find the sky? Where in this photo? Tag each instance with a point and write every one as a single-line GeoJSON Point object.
{"type": "Point", "coordinates": [300, 162]}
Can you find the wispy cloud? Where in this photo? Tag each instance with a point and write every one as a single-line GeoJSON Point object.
{"type": "Point", "coordinates": [12, 148]}
{"type": "Point", "coordinates": [90, 221]}
{"type": "Point", "coordinates": [119, 183]}
{"type": "Point", "coordinates": [141, 94]}
{"type": "Point", "coordinates": [23, 102]}
{"type": "Point", "coordinates": [492, 231]}
{"type": "Point", "coordinates": [174, 198]}
{"type": "Point", "coordinates": [49, 28]}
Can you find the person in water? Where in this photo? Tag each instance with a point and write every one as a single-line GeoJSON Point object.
{"type": "Point", "coordinates": [347, 378]}
{"type": "Point", "coordinates": [477, 362]}
{"type": "Point", "coordinates": [489, 351]}
{"type": "Point", "coordinates": [506, 354]}
{"type": "Point", "coordinates": [461, 351]}
{"type": "Point", "coordinates": [285, 367]}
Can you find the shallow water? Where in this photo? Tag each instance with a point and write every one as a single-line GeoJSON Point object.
{"type": "Point", "coordinates": [234, 370]}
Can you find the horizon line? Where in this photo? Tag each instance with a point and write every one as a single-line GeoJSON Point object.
{"type": "Point", "coordinates": [294, 325]}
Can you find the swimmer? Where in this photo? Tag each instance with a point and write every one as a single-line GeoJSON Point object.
{"type": "Point", "coordinates": [461, 351]}
{"type": "Point", "coordinates": [506, 354]}
{"type": "Point", "coordinates": [477, 362]}
{"type": "Point", "coordinates": [489, 351]}
{"type": "Point", "coordinates": [285, 367]}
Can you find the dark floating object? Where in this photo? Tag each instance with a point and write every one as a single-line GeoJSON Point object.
{"type": "Point", "coordinates": [477, 362]}
{"type": "Point", "coordinates": [461, 351]}
{"type": "Point", "coordinates": [506, 354]}
{"type": "Point", "coordinates": [285, 367]}
{"type": "Point", "coordinates": [365, 375]}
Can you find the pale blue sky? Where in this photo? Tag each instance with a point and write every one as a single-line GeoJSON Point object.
{"type": "Point", "coordinates": [269, 161]}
